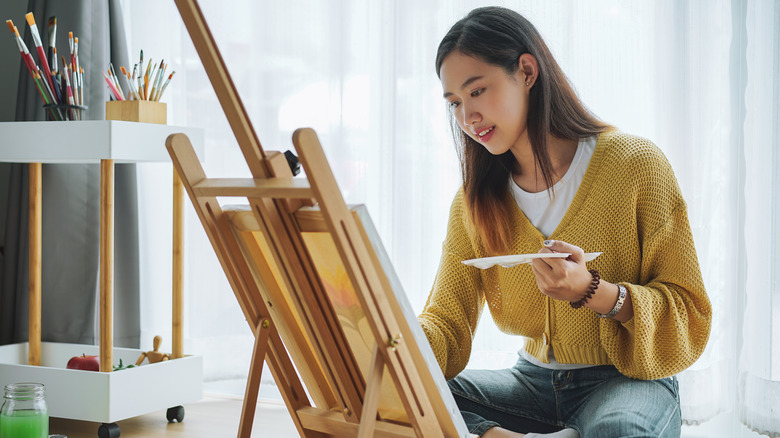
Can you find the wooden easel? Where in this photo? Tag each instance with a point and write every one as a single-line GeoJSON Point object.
{"type": "Point", "coordinates": [370, 380]}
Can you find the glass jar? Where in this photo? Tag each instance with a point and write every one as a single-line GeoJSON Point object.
{"type": "Point", "coordinates": [24, 413]}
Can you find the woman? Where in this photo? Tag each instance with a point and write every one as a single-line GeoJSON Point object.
{"type": "Point", "coordinates": [542, 174]}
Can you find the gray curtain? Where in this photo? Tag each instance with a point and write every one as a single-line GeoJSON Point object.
{"type": "Point", "coordinates": [71, 198]}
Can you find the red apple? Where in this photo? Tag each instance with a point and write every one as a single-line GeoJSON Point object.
{"type": "Point", "coordinates": [84, 362]}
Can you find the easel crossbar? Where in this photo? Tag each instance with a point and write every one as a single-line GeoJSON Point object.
{"type": "Point", "coordinates": [283, 188]}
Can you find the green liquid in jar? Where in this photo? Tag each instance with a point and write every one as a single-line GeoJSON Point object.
{"type": "Point", "coordinates": [24, 424]}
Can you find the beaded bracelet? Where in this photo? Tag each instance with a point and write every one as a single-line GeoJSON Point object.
{"type": "Point", "coordinates": [594, 284]}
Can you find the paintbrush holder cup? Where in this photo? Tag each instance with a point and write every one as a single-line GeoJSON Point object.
{"type": "Point", "coordinates": [137, 111]}
{"type": "Point", "coordinates": [65, 112]}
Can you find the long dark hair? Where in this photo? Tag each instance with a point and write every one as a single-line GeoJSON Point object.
{"type": "Point", "coordinates": [498, 36]}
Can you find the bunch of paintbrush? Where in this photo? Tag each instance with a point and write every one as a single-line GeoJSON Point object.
{"type": "Point", "coordinates": [141, 85]}
{"type": "Point", "coordinates": [62, 91]}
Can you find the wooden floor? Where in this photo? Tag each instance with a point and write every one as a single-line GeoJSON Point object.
{"type": "Point", "coordinates": [211, 417]}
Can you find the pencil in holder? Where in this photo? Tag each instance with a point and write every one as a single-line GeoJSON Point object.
{"type": "Point", "coordinates": [57, 112]}
{"type": "Point", "coordinates": [143, 111]}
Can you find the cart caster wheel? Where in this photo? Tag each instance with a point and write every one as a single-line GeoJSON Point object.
{"type": "Point", "coordinates": [108, 430]}
{"type": "Point", "coordinates": [175, 413]}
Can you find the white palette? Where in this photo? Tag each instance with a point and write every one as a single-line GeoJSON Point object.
{"type": "Point", "coordinates": [509, 261]}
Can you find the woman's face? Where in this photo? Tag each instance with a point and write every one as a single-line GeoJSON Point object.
{"type": "Point", "coordinates": [489, 106]}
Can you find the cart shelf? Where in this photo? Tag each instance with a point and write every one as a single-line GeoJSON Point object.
{"type": "Point", "coordinates": [104, 396]}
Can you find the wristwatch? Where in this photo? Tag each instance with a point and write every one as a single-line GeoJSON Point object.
{"type": "Point", "coordinates": [622, 292]}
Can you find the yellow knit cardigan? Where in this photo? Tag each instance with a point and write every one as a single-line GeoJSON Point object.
{"type": "Point", "coordinates": [629, 206]}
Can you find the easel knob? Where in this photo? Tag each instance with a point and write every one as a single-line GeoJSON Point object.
{"type": "Point", "coordinates": [394, 341]}
{"type": "Point", "coordinates": [292, 160]}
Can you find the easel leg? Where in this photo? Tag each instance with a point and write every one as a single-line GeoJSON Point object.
{"type": "Point", "coordinates": [371, 402]}
{"type": "Point", "coordinates": [262, 333]}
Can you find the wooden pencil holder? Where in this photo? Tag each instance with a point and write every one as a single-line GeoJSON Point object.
{"type": "Point", "coordinates": [137, 111]}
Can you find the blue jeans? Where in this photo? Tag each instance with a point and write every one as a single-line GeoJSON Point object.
{"type": "Point", "coordinates": [597, 401]}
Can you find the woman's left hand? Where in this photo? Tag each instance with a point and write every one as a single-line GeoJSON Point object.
{"type": "Point", "coordinates": [562, 279]}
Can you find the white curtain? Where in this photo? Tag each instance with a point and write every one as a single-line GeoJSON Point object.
{"type": "Point", "coordinates": [696, 77]}
{"type": "Point", "coordinates": [759, 365]}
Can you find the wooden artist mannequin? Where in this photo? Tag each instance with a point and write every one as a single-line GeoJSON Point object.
{"type": "Point", "coordinates": [155, 355]}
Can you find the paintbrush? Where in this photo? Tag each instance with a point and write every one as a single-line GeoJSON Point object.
{"type": "Point", "coordinates": [151, 82]}
{"type": "Point", "coordinates": [117, 94]}
{"type": "Point", "coordinates": [126, 75]}
{"type": "Point", "coordinates": [43, 87]}
{"type": "Point", "coordinates": [56, 73]}
{"type": "Point", "coordinates": [133, 82]}
{"type": "Point", "coordinates": [114, 80]}
{"type": "Point", "coordinates": [81, 86]}
{"type": "Point", "coordinates": [165, 85]}
{"type": "Point", "coordinates": [68, 86]}
{"type": "Point", "coordinates": [140, 87]}
{"type": "Point", "coordinates": [51, 29]}
{"type": "Point", "coordinates": [26, 57]}
{"type": "Point", "coordinates": [75, 54]}
{"type": "Point", "coordinates": [112, 73]}
{"type": "Point", "coordinates": [70, 47]}
{"type": "Point", "coordinates": [158, 80]}
{"type": "Point", "coordinates": [39, 46]}
{"type": "Point", "coordinates": [141, 64]}
{"type": "Point", "coordinates": [40, 83]}
{"type": "Point", "coordinates": [130, 92]}
{"type": "Point", "coordinates": [146, 80]}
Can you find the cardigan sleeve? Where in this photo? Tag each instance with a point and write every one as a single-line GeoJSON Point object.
{"type": "Point", "coordinates": [452, 310]}
{"type": "Point", "coordinates": [672, 313]}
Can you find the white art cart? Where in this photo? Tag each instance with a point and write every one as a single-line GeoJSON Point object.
{"type": "Point", "coordinates": [105, 396]}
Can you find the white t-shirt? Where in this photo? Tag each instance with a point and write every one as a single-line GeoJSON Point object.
{"type": "Point", "coordinates": [545, 213]}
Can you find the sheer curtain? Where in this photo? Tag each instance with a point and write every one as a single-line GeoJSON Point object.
{"type": "Point", "coordinates": [697, 77]}
{"type": "Point", "coordinates": [759, 365]}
